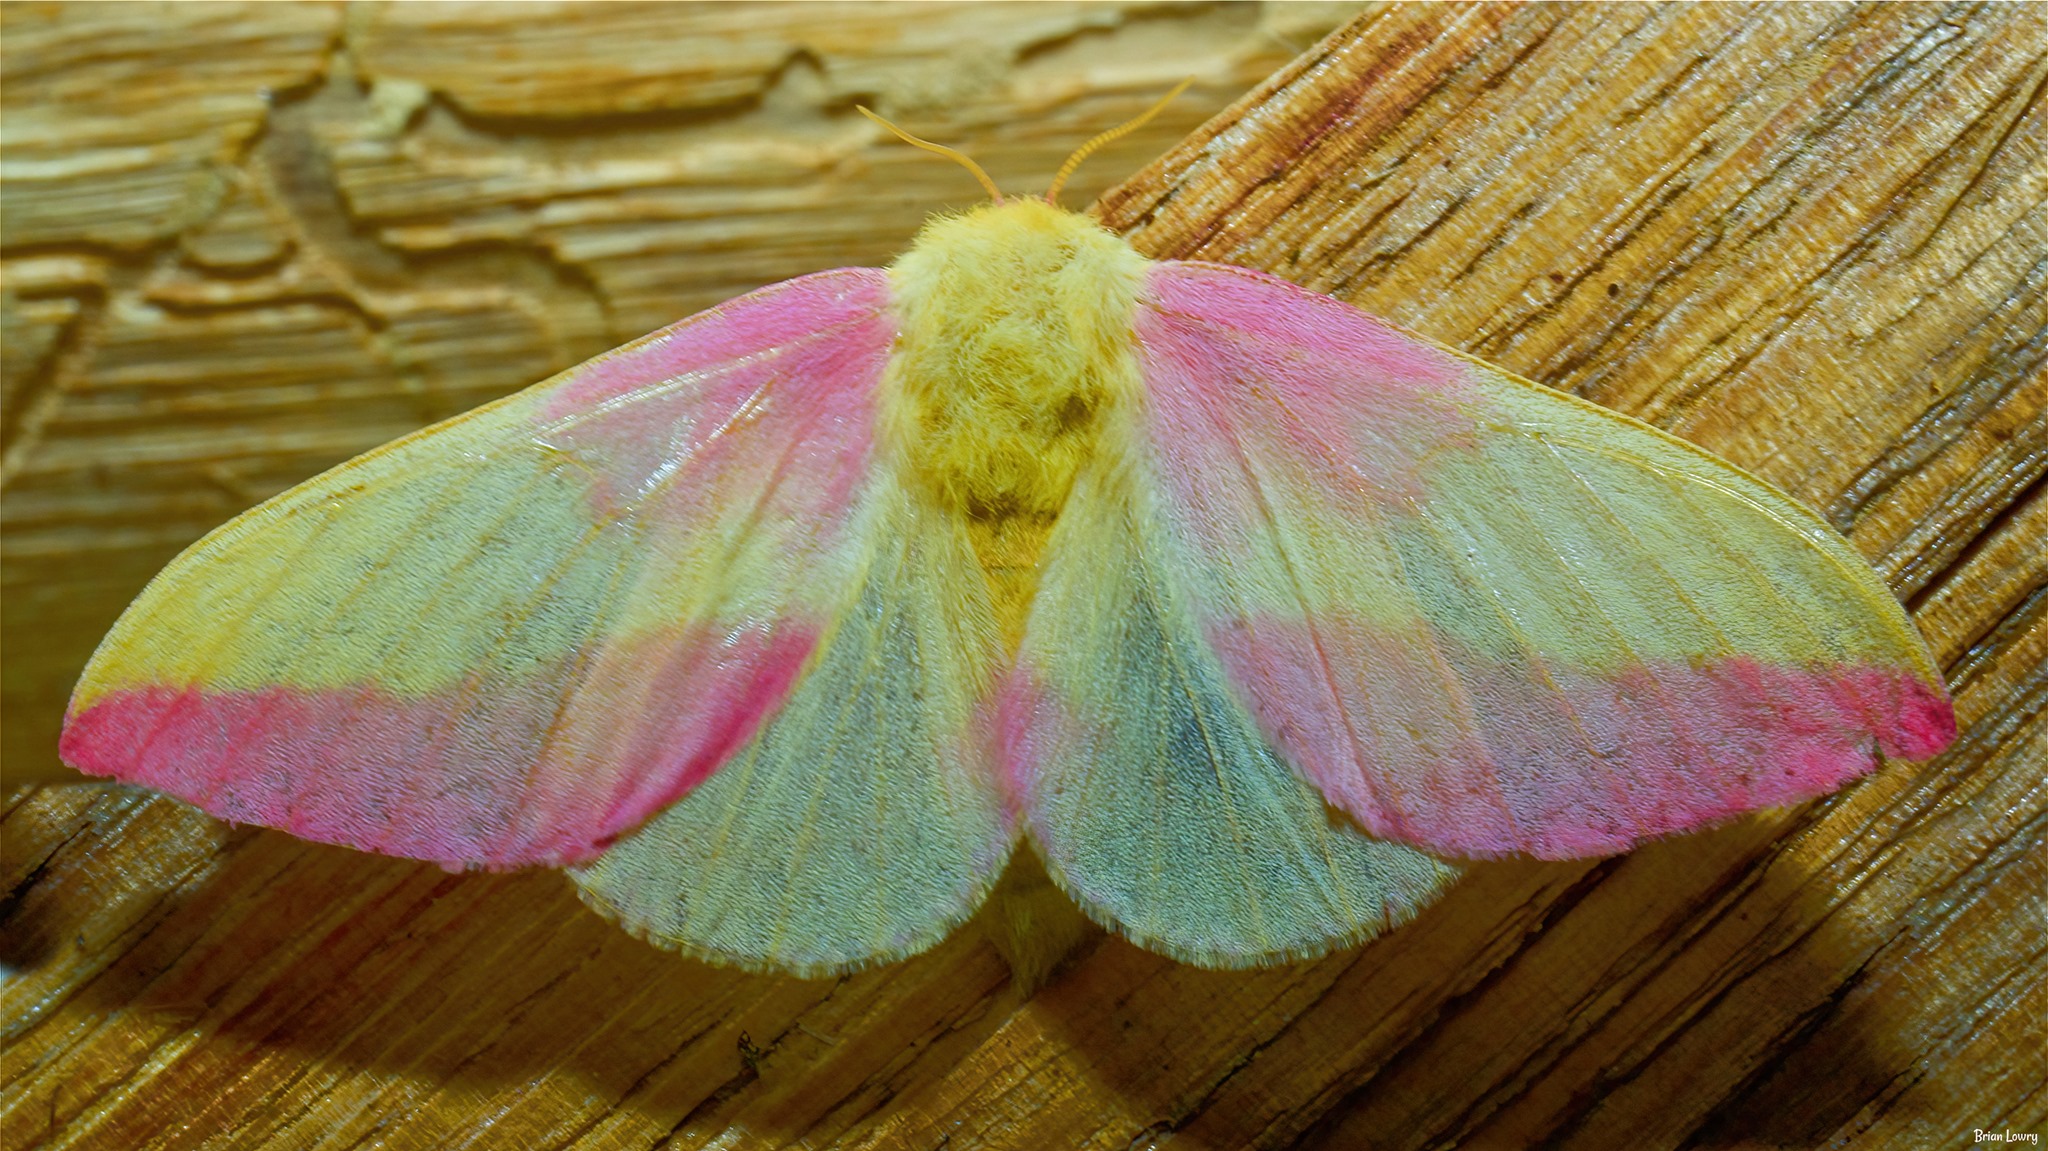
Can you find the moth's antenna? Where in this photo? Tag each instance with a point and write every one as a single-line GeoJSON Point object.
{"type": "Point", "coordinates": [994, 192]}
{"type": "Point", "coordinates": [1052, 194]}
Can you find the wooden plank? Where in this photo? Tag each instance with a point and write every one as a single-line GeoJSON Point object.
{"type": "Point", "coordinates": [1807, 237]}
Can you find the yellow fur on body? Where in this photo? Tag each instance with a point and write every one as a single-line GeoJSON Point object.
{"type": "Point", "coordinates": [1014, 339]}
{"type": "Point", "coordinates": [1015, 336]}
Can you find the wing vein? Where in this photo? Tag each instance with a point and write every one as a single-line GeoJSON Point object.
{"type": "Point", "coordinates": [1648, 556]}
{"type": "Point", "coordinates": [1462, 710]}
{"type": "Point", "coordinates": [438, 508]}
{"type": "Point", "coordinates": [1681, 729]}
{"type": "Point", "coordinates": [1177, 661]}
{"type": "Point", "coordinates": [1256, 482]}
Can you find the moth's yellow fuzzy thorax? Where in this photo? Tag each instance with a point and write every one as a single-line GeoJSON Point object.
{"type": "Point", "coordinates": [1015, 336]}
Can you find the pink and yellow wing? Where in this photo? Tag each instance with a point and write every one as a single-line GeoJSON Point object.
{"type": "Point", "coordinates": [864, 823]}
{"type": "Point", "coordinates": [670, 616]}
{"type": "Point", "coordinates": [1484, 617]}
{"type": "Point", "coordinates": [513, 637]}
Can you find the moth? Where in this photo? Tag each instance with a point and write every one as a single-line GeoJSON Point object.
{"type": "Point", "coordinates": [784, 627]}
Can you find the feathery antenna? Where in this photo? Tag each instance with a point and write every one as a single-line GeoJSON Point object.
{"type": "Point", "coordinates": [1114, 134]}
{"type": "Point", "coordinates": [994, 192]}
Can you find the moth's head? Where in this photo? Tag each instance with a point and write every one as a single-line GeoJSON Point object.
{"type": "Point", "coordinates": [1022, 238]}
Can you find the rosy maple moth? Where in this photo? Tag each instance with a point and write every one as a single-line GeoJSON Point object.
{"type": "Point", "coordinates": [783, 627]}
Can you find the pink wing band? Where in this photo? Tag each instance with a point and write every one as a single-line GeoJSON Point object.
{"type": "Point", "coordinates": [440, 777]}
{"type": "Point", "coordinates": [1555, 762]}
{"type": "Point", "coordinates": [754, 420]}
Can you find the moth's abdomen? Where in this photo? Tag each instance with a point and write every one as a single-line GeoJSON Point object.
{"type": "Point", "coordinates": [1015, 338]}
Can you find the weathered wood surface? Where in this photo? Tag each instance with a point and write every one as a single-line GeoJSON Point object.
{"type": "Point", "coordinates": [245, 243]}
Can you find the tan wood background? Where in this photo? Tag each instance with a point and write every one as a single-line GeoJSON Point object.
{"type": "Point", "coordinates": [243, 243]}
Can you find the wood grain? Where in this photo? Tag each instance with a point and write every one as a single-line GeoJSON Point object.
{"type": "Point", "coordinates": [242, 244]}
